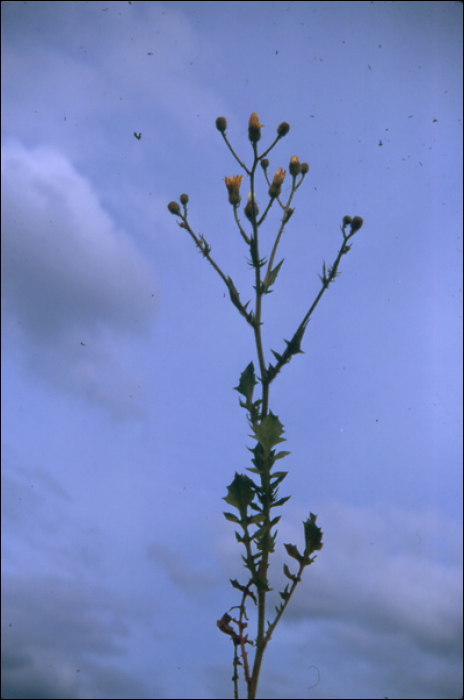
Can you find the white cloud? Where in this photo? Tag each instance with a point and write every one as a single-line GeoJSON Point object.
{"type": "Point", "coordinates": [74, 286]}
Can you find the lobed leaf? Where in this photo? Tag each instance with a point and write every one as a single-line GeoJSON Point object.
{"type": "Point", "coordinates": [247, 384]}
{"type": "Point", "coordinates": [240, 493]}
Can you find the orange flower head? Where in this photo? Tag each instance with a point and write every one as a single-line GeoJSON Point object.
{"type": "Point", "coordinates": [233, 185]}
{"type": "Point", "coordinates": [276, 185]}
{"type": "Point", "coordinates": [254, 122]}
{"type": "Point", "coordinates": [279, 176]}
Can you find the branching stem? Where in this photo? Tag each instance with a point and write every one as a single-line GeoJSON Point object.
{"type": "Point", "coordinates": [244, 493]}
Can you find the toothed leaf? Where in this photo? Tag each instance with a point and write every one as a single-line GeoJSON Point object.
{"type": "Point", "coordinates": [273, 275]}
{"type": "Point", "coordinates": [313, 535]}
{"type": "Point", "coordinates": [240, 493]}
{"type": "Point", "coordinates": [247, 383]}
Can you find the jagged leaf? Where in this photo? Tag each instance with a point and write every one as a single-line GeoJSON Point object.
{"type": "Point", "coordinates": [240, 493]}
{"type": "Point", "coordinates": [273, 275]}
{"type": "Point", "coordinates": [269, 431]}
{"type": "Point", "coordinates": [247, 384]}
{"type": "Point", "coordinates": [292, 550]}
{"type": "Point", "coordinates": [289, 574]}
{"type": "Point", "coordinates": [313, 535]}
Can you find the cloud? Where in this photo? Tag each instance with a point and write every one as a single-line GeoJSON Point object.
{"type": "Point", "coordinates": [74, 286]}
{"type": "Point", "coordinates": [51, 628]}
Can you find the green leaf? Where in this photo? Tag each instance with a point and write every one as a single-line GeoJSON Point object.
{"type": "Point", "coordinates": [313, 535]}
{"type": "Point", "coordinates": [289, 574]}
{"type": "Point", "coordinates": [233, 518]}
{"type": "Point", "coordinates": [292, 550]}
{"type": "Point", "coordinates": [280, 502]}
{"type": "Point", "coordinates": [235, 298]}
{"type": "Point", "coordinates": [281, 455]}
{"type": "Point", "coordinates": [247, 383]}
{"type": "Point", "coordinates": [278, 476]}
{"type": "Point", "coordinates": [240, 493]}
{"type": "Point", "coordinates": [269, 431]}
{"type": "Point", "coordinates": [273, 275]}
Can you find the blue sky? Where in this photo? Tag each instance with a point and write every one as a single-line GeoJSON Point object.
{"type": "Point", "coordinates": [120, 426]}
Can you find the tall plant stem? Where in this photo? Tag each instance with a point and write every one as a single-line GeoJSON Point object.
{"type": "Point", "coordinates": [262, 583]}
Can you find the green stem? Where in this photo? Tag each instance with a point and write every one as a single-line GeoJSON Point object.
{"type": "Point", "coordinates": [281, 230]}
{"type": "Point", "coordinates": [262, 584]}
{"type": "Point", "coordinates": [234, 154]}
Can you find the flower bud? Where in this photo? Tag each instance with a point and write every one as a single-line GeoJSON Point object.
{"type": "Point", "coordinates": [184, 198]}
{"type": "Point", "coordinates": [221, 124]}
{"type": "Point", "coordinates": [283, 129]}
{"type": "Point", "coordinates": [276, 185]}
{"type": "Point", "coordinates": [233, 186]}
{"type": "Point", "coordinates": [304, 168]}
{"type": "Point", "coordinates": [264, 163]}
{"type": "Point", "coordinates": [294, 166]}
{"type": "Point", "coordinates": [251, 208]}
{"type": "Point", "coordinates": [356, 224]}
{"type": "Point", "coordinates": [346, 221]}
{"type": "Point", "coordinates": [254, 128]}
{"type": "Point", "coordinates": [174, 208]}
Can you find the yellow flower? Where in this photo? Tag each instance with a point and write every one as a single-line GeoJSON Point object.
{"type": "Point", "coordinates": [233, 185]}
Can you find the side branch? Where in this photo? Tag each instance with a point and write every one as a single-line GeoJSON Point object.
{"type": "Point", "coordinates": [328, 276]}
{"type": "Point", "coordinates": [205, 250]}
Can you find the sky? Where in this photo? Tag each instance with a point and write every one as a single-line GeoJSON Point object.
{"type": "Point", "coordinates": [120, 347]}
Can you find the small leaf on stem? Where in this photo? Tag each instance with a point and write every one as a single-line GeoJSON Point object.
{"type": "Point", "coordinates": [241, 493]}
